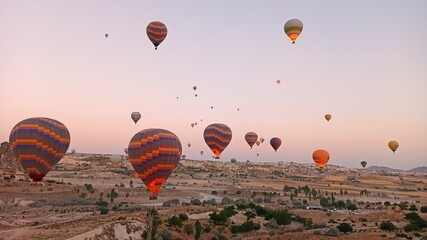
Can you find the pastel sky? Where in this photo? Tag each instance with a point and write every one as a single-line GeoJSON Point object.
{"type": "Point", "coordinates": [364, 62]}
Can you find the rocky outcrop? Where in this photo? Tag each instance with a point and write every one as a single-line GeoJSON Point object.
{"type": "Point", "coordinates": [8, 162]}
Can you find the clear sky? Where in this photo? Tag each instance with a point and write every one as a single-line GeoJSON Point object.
{"type": "Point", "coordinates": [364, 62]}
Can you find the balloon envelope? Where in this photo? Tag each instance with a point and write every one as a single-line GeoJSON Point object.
{"type": "Point", "coordinates": [135, 116]}
{"type": "Point", "coordinates": [393, 145]}
{"type": "Point", "coordinates": [251, 138]}
{"type": "Point", "coordinates": [157, 32]}
{"type": "Point", "coordinates": [293, 29]}
{"type": "Point", "coordinates": [278, 82]}
{"type": "Point", "coordinates": [154, 154]}
{"type": "Point", "coordinates": [38, 144]}
{"type": "Point", "coordinates": [258, 143]}
{"type": "Point", "coordinates": [328, 117]}
{"type": "Point", "coordinates": [106, 35]}
{"type": "Point", "coordinates": [194, 88]}
{"type": "Point", "coordinates": [363, 163]}
{"type": "Point", "coordinates": [321, 157]}
{"type": "Point", "coordinates": [217, 136]}
{"type": "Point", "coordinates": [275, 143]}
{"type": "Point", "coordinates": [262, 140]}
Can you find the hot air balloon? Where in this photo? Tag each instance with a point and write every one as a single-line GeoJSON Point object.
{"type": "Point", "coordinates": [126, 150]}
{"type": "Point", "coordinates": [211, 107]}
{"type": "Point", "coordinates": [393, 145]}
{"type": "Point", "coordinates": [321, 157]}
{"type": "Point", "coordinates": [189, 144]}
{"type": "Point", "coordinates": [363, 163]}
{"type": "Point", "coordinates": [251, 138]}
{"type": "Point", "coordinates": [328, 117]}
{"type": "Point", "coordinates": [293, 29]}
{"type": "Point", "coordinates": [73, 151]}
{"type": "Point", "coordinates": [257, 154]}
{"type": "Point", "coordinates": [278, 82]}
{"type": "Point", "coordinates": [233, 160]}
{"type": "Point", "coordinates": [154, 154]}
{"type": "Point", "coordinates": [275, 143]}
{"type": "Point", "coordinates": [258, 143]}
{"type": "Point", "coordinates": [115, 160]}
{"type": "Point", "coordinates": [183, 157]}
{"type": "Point", "coordinates": [201, 152]}
{"type": "Point", "coordinates": [262, 140]}
{"type": "Point", "coordinates": [38, 144]}
{"type": "Point", "coordinates": [195, 95]}
{"type": "Point", "coordinates": [156, 32]}
{"type": "Point", "coordinates": [217, 136]}
{"type": "Point", "coordinates": [195, 123]}
{"type": "Point", "coordinates": [194, 88]}
{"type": "Point", "coordinates": [135, 116]}
{"type": "Point", "coordinates": [192, 125]}
{"type": "Point", "coordinates": [106, 35]}
{"type": "Point", "coordinates": [238, 109]}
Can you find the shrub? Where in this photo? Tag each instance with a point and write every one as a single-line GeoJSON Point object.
{"type": "Point", "coordinates": [345, 227]}
{"type": "Point", "coordinates": [188, 229]}
{"type": "Point", "coordinates": [195, 202]}
{"type": "Point", "coordinates": [413, 208]}
{"type": "Point", "coordinates": [387, 226]}
{"type": "Point", "coordinates": [423, 209]}
{"type": "Point", "coordinates": [104, 210]}
{"type": "Point", "coordinates": [245, 227]}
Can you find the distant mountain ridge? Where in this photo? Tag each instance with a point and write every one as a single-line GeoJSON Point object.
{"type": "Point", "coordinates": [382, 168]}
{"type": "Point", "coordinates": [422, 169]}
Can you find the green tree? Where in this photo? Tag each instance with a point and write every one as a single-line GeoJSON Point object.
{"type": "Point", "coordinates": [387, 226]}
{"type": "Point", "coordinates": [345, 227]}
{"type": "Point", "coordinates": [413, 208]}
{"type": "Point", "coordinates": [198, 228]}
{"type": "Point", "coordinates": [113, 195]}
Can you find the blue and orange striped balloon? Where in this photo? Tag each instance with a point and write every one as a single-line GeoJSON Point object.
{"type": "Point", "coordinates": [251, 138]}
{"type": "Point", "coordinates": [39, 144]}
{"type": "Point", "coordinates": [157, 32]}
{"type": "Point", "coordinates": [154, 154]}
{"type": "Point", "coordinates": [217, 136]}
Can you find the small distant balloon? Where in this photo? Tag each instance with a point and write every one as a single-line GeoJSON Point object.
{"type": "Point", "coordinates": [106, 35]}
{"type": "Point", "coordinates": [363, 163]}
{"type": "Point", "coordinates": [251, 138]}
{"type": "Point", "coordinates": [275, 143]}
{"type": "Point", "coordinates": [293, 29]}
{"type": "Point", "coordinates": [135, 116]}
{"type": "Point", "coordinates": [393, 145]}
{"type": "Point", "coordinates": [195, 95]}
{"type": "Point", "coordinates": [257, 154]}
{"type": "Point", "coordinates": [233, 160]}
{"type": "Point", "coordinates": [328, 117]}
{"type": "Point", "coordinates": [192, 125]}
{"type": "Point", "coordinates": [194, 88]}
{"type": "Point", "coordinates": [201, 152]}
{"type": "Point", "coordinates": [189, 144]}
{"type": "Point", "coordinates": [73, 151]}
{"type": "Point", "coordinates": [126, 150]}
{"type": "Point", "coordinates": [115, 160]}
{"type": "Point", "coordinates": [278, 82]}
{"type": "Point", "coordinates": [262, 140]}
{"type": "Point", "coordinates": [156, 32]}
{"type": "Point", "coordinates": [258, 143]}
{"type": "Point", "coordinates": [211, 107]}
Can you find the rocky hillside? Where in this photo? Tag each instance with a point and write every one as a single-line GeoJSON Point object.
{"type": "Point", "coordinates": [8, 163]}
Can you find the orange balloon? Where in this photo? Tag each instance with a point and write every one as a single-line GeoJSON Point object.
{"type": "Point", "coordinates": [321, 157]}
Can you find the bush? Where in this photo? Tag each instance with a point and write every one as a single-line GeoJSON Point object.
{"type": "Point", "coordinates": [387, 226]}
{"type": "Point", "coordinates": [423, 209]}
{"type": "Point", "coordinates": [104, 210]}
{"type": "Point", "coordinates": [245, 227]}
{"type": "Point", "coordinates": [195, 202]}
{"type": "Point", "coordinates": [412, 228]}
{"type": "Point", "coordinates": [214, 192]}
{"type": "Point", "coordinates": [188, 229]}
{"type": "Point", "coordinates": [101, 204]}
{"type": "Point", "coordinates": [413, 208]}
{"type": "Point", "coordinates": [183, 216]}
{"type": "Point", "coordinates": [345, 227]}
{"type": "Point", "coordinates": [170, 202]}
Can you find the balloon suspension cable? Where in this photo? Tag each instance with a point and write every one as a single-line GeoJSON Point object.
{"type": "Point", "coordinates": [293, 42]}
{"type": "Point", "coordinates": [155, 48]}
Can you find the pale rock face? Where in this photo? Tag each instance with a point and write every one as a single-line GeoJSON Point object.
{"type": "Point", "coordinates": [8, 162]}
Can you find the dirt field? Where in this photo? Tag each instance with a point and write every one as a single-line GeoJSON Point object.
{"type": "Point", "coordinates": [64, 207]}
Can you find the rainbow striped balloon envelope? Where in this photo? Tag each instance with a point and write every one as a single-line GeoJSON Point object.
{"type": "Point", "coordinates": [39, 144]}
{"type": "Point", "coordinates": [251, 138]}
{"type": "Point", "coordinates": [157, 32]}
{"type": "Point", "coordinates": [154, 154]}
{"type": "Point", "coordinates": [217, 136]}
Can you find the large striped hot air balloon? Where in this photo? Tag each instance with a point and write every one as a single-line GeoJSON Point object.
{"type": "Point", "coordinates": [275, 143]}
{"type": "Point", "coordinates": [39, 144]}
{"type": "Point", "coordinates": [321, 157]}
{"type": "Point", "coordinates": [293, 29]}
{"type": "Point", "coordinates": [156, 32]}
{"type": "Point", "coordinates": [217, 136]}
{"type": "Point", "coordinates": [251, 138]}
{"type": "Point", "coordinates": [154, 154]}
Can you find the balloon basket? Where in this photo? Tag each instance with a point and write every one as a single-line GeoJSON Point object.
{"type": "Point", "coordinates": [153, 197]}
